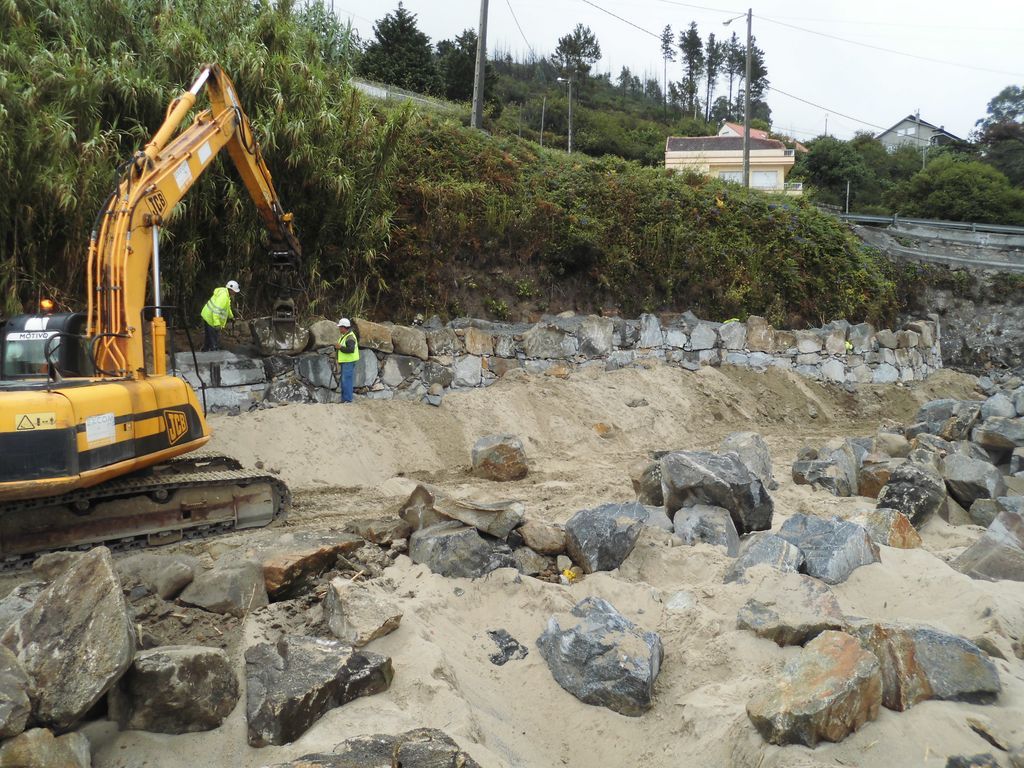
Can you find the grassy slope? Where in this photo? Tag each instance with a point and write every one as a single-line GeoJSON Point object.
{"type": "Point", "coordinates": [502, 226]}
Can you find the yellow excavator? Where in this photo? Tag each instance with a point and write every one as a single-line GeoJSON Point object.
{"type": "Point", "coordinates": [94, 432]}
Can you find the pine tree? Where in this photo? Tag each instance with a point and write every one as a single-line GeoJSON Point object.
{"type": "Point", "coordinates": [668, 53]}
{"type": "Point", "coordinates": [714, 59]}
{"type": "Point", "coordinates": [735, 66]}
{"type": "Point", "coordinates": [401, 54]}
{"type": "Point", "coordinates": [456, 66]}
{"type": "Point", "coordinates": [577, 51]}
{"type": "Point", "coordinates": [693, 66]}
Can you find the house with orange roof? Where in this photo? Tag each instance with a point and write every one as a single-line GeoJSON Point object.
{"type": "Point", "coordinates": [721, 157]}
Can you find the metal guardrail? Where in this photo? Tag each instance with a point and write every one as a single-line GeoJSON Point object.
{"type": "Point", "coordinates": [896, 220]}
{"type": "Point", "coordinates": [390, 92]}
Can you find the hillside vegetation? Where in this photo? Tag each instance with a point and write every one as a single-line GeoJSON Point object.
{"type": "Point", "coordinates": [398, 212]}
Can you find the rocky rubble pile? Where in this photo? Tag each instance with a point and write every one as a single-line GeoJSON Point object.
{"type": "Point", "coordinates": [961, 459]}
{"type": "Point", "coordinates": [420, 363]}
{"type": "Point", "coordinates": [130, 632]}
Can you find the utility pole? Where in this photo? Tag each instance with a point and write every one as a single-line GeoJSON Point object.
{"type": "Point", "coordinates": [570, 79]}
{"type": "Point", "coordinates": [847, 195]}
{"type": "Point", "coordinates": [543, 107]}
{"type": "Point", "coordinates": [746, 107]}
{"type": "Point", "coordinates": [746, 98]}
{"type": "Point", "coordinates": [477, 119]}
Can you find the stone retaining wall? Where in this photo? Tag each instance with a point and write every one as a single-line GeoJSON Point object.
{"type": "Point", "coordinates": [404, 362]}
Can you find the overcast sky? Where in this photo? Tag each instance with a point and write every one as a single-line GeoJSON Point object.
{"type": "Point", "coordinates": [966, 52]}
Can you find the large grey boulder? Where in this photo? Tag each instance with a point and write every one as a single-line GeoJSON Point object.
{"type": "Point", "coordinates": [358, 614]}
{"type": "Point", "coordinates": [602, 658]}
{"type": "Point", "coordinates": [496, 518]}
{"type": "Point", "coordinates": [915, 490]}
{"type": "Point", "coordinates": [892, 444]}
{"type": "Point", "coordinates": [600, 539]}
{"type": "Point", "coordinates": [983, 511]}
{"type": "Point", "coordinates": [419, 748]}
{"type": "Point", "coordinates": [826, 693]}
{"type": "Point", "coordinates": [175, 689]}
{"type": "Point", "coordinates": [324, 332]}
{"type": "Point", "coordinates": [290, 684]}
{"type": "Point", "coordinates": [708, 525]}
{"type": "Point", "coordinates": [969, 480]}
{"type": "Point", "coordinates": [999, 553]}
{"type": "Point", "coordinates": [959, 425]}
{"type": "Point", "coordinates": [999, 434]}
{"type": "Point", "coordinates": [235, 588]}
{"type": "Point", "coordinates": [689, 478]}
{"type": "Point", "coordinates": [39, 748]}
{"type": "Point", "coordinates": [846, 455]}
{"type": "Point", "coordinates": [454, 549]}
{"type": "Point", "coordinates": [935, 413]}
{"type": "Point", "coordinates": [442, 341]}
{"type": "Point", "coordinates": [373, 336]}
{"type": "Point", "coordinates": [163, 575]}
{"type": "Point", "coordinates": [17, 601]}
{"type": "Point", "coordinates": [766, 549]}
{"type": "Point", "coordinates": [651, 335]}
{"type": "Point", "coordinates": [317, 370]}
{"type": "Point", "coordinates": [595, 336]}
{"type": "Point", "coordinates": [499, 457]}
{"type": "Point", "coordinates": [823, 473]}
{"type": "Point", "coordinates": [15, 706]}
{"type": "Point", "coordinates": [998, 405]}
{"type": "Point", "coordinates": [754, 453]}
{"type": "Point", "coordinates": [832, 549]}
{"type": "Point", "coordinates": [791, 610]}
{"type": "Point", "coordinates": [918, 663]}
{"type": "Point", "coordinates": [548, 342]}
{"type": "Point", "coordinates": [409, 341]}
{"type": "Point", "coordinates": [646, 478]}
{"type": "Point", "coordinates": [418, 510]}
{"type": "Point", "coordinates": [399, 370]}
{"type": "Point", "coordinates": [75, 641]}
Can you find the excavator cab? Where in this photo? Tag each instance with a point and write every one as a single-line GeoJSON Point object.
{"type": "Point", "coordinates": [50, 346]}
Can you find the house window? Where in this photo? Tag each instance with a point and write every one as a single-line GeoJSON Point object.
{"type": "Point", "coordinates": [734, 176]}
{"type": "Point", "coordinates": [764, 179]}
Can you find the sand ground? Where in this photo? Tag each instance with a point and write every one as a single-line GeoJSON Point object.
{"type": "Point", "coordinates": [362, 460]}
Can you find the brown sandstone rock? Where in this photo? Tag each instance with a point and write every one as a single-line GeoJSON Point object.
{"type": "Point", "coordinates": [825, 694]}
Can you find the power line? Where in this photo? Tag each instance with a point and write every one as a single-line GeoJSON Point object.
{"type": "Point", "coordinates": [516, 20]}
{"type": "Point", "coordinates": [701, 7]}
{"type": "Point", "coordinates": [889, 50]}
{"type": "Point", "coordinates": [908, 25]}
{"type": "Point", "coordinates": [826, 109]}
{"type": "Point", "coordinates": [625, 21]}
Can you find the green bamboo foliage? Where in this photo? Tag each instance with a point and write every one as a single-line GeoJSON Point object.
{"type": "Point", "coordinates": [84, 83]}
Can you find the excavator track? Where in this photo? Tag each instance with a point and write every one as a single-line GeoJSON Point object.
{"type": "Point", "coordinates": [190, 497]}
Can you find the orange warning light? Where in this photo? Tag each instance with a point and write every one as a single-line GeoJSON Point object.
{"type": "Point", "coordinates": [46, 305]}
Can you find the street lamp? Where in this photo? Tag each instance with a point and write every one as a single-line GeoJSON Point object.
{"type": "Point", "coordinates": [746, 101]}
{"type": "Point", "coordinates": [570, 81]}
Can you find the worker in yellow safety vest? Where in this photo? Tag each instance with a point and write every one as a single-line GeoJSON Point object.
{"type": "Point", "coordinates": [216, 314]}
{"type": "Point", "coordinates": [348, 356]}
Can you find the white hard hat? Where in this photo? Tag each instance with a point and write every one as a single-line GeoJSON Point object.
{"type": "Point", "coordinates": [344, 323]}
{"type": "Point", "coordinates": [233, 286]}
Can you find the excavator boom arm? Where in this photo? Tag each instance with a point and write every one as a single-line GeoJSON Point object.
{"type": "Point", "coordinates": [125, 245]}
